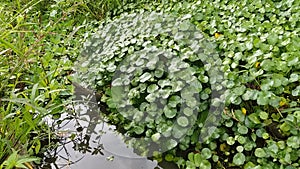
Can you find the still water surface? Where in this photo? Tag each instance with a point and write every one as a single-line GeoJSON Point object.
{"type": "Point", "coordinates": [95, 144]}
{"type": "Point", "coordinates": [116, 154]}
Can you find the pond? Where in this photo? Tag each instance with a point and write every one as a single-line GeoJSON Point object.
{"type": "Point", "coordinates": [87, 141]}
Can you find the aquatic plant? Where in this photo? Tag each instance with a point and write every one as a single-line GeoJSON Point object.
{"type": "Point", "coordinates": [258, 44]}
{"type": "Point", "coordinates": [158, 88]}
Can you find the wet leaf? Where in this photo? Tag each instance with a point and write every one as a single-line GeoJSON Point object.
{"type": "Point", "coordinates": [152, 88]}
{"type": "Point", "coordinates": [263, 115]}
{"type": "Point", "coordinates": [239, 159]}
{"type": "Point", "coordinates": [296, 92]}
{"type": "Point", "coordinates": [169, 112]}
{"type": "Point", "coordinates": [155, 137]}
{"type": "Point", "coordinates": [183, 121]}
{"type": "Point", "coordinates": [259, 152]}
{"type": "Point", "coordinates": [242, 129]}
{"type": "Point", "coordinates": [146, 76]}
{"type": "Point", "coordinates": [254, 118]}
{"type": "Point", "coordinates": [293, 142]}
{"type": "Point", "coordinates": [206, 153]}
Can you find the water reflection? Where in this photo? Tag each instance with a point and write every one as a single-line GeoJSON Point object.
{"type": "Point", "coordinates": [87, 141]}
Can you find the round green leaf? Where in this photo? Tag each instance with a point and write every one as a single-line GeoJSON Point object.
{"type": "Point", "coordinates": [230, 140]}
{"type": "Point", "coordinates": [152, 88]}
{"type": "Point", "coordinates": [150, 97]}
{"type": "Point", "coordinates": [272, 38]}
{"type": "Point", "coordinates": [155, 137]}
{"type": "Point", "coordinates": [253, 117]}
{"type": "Point", "coordinates": [294, 77]}
{"type": "Point", "coordinates": [174, 101]}
{"type": "Point", "coordinates": [263, 99]}
{"type": "Point", "coordinates": [188, 111]}
{"type": "Point", "coordinates": [183, 121]}
{"type": "Point", "coordinates": [293, 142]}
{"type": "Point", "coordinates": [263, 115]}
{"type": "Point", "coordinates": [259, 152]}
{"type": "Point", "coordinates": [205, 164]}
{"type": "Point", "coordinates": [169, 112]}
{"type": "Point", "coordinates": [296, 92]}
{"type": "Point", "coordinates": [138, 129]}
{"type": "Point", "coordinates": [239, 159]}
{"type": "Point", "coordinates": [242, 129]}
{"type": "Point", "coordinates": [241, 139]}
{"type": "Point", "coordinates": [273, 148]}
{"type": "Point", "coordinates": [171, 144]}
{"type": "Point", "coordinates": [265, 136]}
{"type": "Point", "coordinates": [239, 149]}
{"type": "Point", "coordinates": [206, 153]}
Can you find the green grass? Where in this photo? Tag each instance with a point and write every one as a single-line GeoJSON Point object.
{"type": "Point", "coordinates": [39, 41]}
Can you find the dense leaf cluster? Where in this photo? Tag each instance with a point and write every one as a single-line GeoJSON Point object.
{"type": "Point", "coordinates": [258, 42]}
{"type": "Point", "coordinates": [158, 80]}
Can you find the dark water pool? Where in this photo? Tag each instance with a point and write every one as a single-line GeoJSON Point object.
{"type": "Point", "coordinates": [88, 142]}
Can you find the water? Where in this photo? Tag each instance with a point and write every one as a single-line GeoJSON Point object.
{"type": "Point", "coordinates": [114, 153]}
{"type": "Point", "coordinates": [95, 144]}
